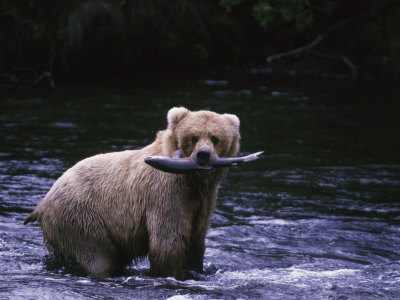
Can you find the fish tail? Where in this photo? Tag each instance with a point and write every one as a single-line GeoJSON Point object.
{"type": "Point", "coordinates": [253, 156]}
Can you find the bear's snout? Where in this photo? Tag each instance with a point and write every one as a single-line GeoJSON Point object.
{"type": "Point", "coordinates": [203, 157]}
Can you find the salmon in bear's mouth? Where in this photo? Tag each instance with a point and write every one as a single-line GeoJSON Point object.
{"type": "Point", "coordinates": [178, 165]}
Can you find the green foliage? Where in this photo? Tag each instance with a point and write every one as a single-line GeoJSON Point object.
{"type": "Point", "coordinates": [296, 11]}
{"type": "Point", "coordinates": [129, 35]}
{"type": "Point", "coordinates": [268, 11]}
{"type": "Point", "coordinates": [228, 4]}
{"type": "Point", "coordinates": [392, 56]}
{"type": "Point", "coordinates": [28, 29]}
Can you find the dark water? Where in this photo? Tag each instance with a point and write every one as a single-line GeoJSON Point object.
{"type": "Point", "coordinates": [317, 218]}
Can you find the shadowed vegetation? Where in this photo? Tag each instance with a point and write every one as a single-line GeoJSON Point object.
{"type": "Point", "coordinates": [42, 39]}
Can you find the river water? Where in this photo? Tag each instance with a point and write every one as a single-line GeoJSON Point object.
{"type": "Point", "coordinates": [318, 217]}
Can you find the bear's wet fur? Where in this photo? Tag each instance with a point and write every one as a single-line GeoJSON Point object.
{"type": "Point", "coordinates": [112, 208]}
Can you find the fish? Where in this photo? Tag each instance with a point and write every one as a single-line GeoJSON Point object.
{"type": "Point", "coordinates": [178, 165]}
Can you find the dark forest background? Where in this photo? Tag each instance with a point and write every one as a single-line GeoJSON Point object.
{"type": "Point", "coordinates": [43, 40]}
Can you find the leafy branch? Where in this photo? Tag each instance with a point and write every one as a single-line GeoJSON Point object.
{"type": "Point", "coordinates": [322, 36]}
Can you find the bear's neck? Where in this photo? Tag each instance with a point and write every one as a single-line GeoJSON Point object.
{"type": "Point", "coordinates": [203, 183]}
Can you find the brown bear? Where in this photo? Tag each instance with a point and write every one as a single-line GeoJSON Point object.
{"type": "Point", "coordinates": [112, 208]}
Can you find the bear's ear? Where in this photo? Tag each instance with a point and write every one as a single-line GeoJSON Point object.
{"type": "Point", "coordinates": [234, 148]}
{"type": "Point", "coordinates": [175, 115]}
{"type": "Point", "coordinates": [233, 119]}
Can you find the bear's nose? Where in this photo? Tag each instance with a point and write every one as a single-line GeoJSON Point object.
{"type": "Point", "coordinates": [203, 156]}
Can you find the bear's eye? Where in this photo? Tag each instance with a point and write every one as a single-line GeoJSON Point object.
{"type": "Point", "coordinates": [195, 139]}
{"type": "Point", "coordinates": [214, 140]}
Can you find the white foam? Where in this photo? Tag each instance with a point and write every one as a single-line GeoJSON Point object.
{"type": "Point", "coordinates": [85, 281]}
{"type": "Point", "coordinates": [256, 220]}
{"type": "Point", "coordinates": [179, 297]}
{"type": "Point", "coordinates": [292, 276]}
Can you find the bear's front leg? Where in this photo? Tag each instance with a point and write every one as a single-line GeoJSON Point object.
{"type": "Point", "coordinates": [195, 255]}
{"type": "Point", "coordinates": [169, 238]}
{"type": "Point", "coordinates": [200, 226]}
{"type": "Point", "coordinates": [167, 257]}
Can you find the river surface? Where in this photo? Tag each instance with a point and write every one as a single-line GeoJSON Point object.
{"type": "Point", "coordinates": [318, 217]}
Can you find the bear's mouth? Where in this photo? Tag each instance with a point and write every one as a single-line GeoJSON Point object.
{"type": "Point", "coordinates": [178, 165]}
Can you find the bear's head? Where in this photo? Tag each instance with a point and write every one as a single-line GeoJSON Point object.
{"type": "Point", "coordinates": [202, 135]}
